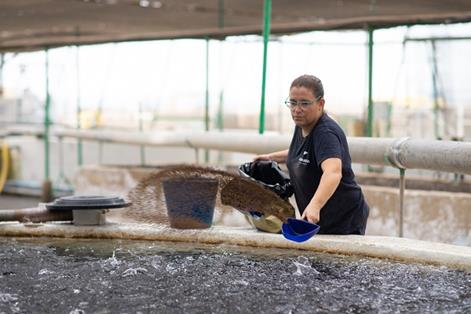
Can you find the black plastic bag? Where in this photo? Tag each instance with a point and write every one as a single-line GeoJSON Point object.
{"type": "Point", "coordinates": [269, 175]}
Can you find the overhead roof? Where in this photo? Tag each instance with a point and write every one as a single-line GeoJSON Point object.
{"type": "Point", "coordinates": [35, 24]}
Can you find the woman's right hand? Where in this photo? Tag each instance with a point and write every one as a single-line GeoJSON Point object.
{"type": "Point", "coordinates": [262, 157]}
{"type": "Point", "coordinates": [279, 157]}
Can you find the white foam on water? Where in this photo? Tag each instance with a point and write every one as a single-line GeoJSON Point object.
{"type": "Point", "coordinates": [171, 269]}
{"type": "Point", "coordinates": [111, 263]}
{"type": "Point", "coordinates": [156, 262]}
{"type": "Point", "coordinates": [241, 282]}
{"type": "Point", "coordinates": [134, 271]}
{"type": "Point", "coordinates": [45, 272]}
{"type": "Point", "coordinates": [83, 304]}
{"type": "Point", "coordinates": [7, 297]}
{"type": "Point", "coordinates": [303, 267]}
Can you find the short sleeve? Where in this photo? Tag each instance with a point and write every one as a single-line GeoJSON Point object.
{"type": "Point", "coordinates": [327, 145]}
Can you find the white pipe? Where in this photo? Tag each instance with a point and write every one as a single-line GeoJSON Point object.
{"type": "Point", "coordinates": [447, 156]}
{"type": "Point", "coordinates": [370, 151]}
{"type": "Point", "coordinates": [404, 153]}
{"type": "Point", "coordinates": [239, 142]}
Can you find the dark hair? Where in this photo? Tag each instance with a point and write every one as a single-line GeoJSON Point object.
{"type": "Point", "coordinates": [310, 82]}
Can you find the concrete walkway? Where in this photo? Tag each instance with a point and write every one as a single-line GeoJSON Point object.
{"type": "Point", "coordinates": [399, 249]}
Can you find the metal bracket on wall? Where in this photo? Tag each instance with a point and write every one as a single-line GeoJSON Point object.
{"type": "Point", "coordinates": [393, 156]}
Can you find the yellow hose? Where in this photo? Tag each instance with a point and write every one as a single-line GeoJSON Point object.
{"type": "Point", "coordinates": [4, 165]}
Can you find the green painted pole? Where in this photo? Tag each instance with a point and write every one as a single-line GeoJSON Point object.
{"type": "Point", "coordinates": [220, 122]}
{"type": "Point", "coordinates": [2, 63]}
{"type": "Point", "coordinates": [436, 107]}
{"type": "Point", "coordinates": [266, 35]}
{"type": "Point", "coordinates": [47, 108]}
{"type": "Point", "coordinates": [221, 14]}
{"type": "Point", "coordinates": [141, 130]}
{"type": "Point", "coordinates": [369, 126]}
{"type": "Point", "coordinates": [79, 106]}
{"type": "Point", "coordinates": [220, 116]}
{"type": "Point", "coordinates": [206, 94]}
{"type": "Point", "coordinates": [206, 99]}
{"type": "Point", "coordinates": [47, 184]}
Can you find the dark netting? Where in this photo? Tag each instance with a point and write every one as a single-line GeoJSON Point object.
{"type": "Point", "coordinates": [269, 175]}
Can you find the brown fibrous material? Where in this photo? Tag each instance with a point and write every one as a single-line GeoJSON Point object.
{"type": "Point", "coordinates": [148, 200]}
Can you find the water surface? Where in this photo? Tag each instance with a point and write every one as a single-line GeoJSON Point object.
{"type": "Point", "coordinates": [114, 276]}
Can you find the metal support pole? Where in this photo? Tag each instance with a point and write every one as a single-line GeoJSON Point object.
{"type": "Point", "coordinates": [266, 35]}
{"type": "Point", "coordinates": [2, 63]}
{"type": "Point", "coordinates": [436, 106]}
{"type": "Point", "coordinates": [79, 108]}
{"type": "Point", "coordinates": [369, 126]}
{"type": "Point", "coordinates": [402, 187]}
{"type": "Point", "coordinates": [220, 121]}
{"type": "Point", "coordinates": [47, 109]}
{"type": "Point", "coordinates": [220, 114]}
{"type": "Point", "coordinates": [60, 147]}
{"type": "Point", "coordinates": [197, 156]}
{"type": "Point", "coordinates": [141, 129]}
{"type": "Point", "coordinates": [206, 99]}
{"type": "Point", "coordinates": [47, 185]}
{"type": "Point", "coordinates": [221, 14]}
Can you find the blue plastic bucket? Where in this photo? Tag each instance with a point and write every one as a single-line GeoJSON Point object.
{"type": "Point", "coordinates": [190, 202]}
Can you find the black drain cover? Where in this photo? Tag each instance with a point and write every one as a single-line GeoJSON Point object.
{"type": "Point", "coordinates": [87, 202]}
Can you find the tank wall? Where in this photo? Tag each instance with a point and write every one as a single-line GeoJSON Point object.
{"type": "Point", "coordinates": [429, 215]}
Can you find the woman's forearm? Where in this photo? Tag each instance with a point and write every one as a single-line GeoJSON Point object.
{"type": "Point", "coordinates": [327, 186]}
{"type": "Point", "coordinates": [330, 179]}
{"type": "Point", "coordinates": [279, 156]}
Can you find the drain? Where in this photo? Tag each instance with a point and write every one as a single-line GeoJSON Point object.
{"type": "Point", "coordinates": [87, 202]}
{"type": "Point", "coordinates": [87, 210]}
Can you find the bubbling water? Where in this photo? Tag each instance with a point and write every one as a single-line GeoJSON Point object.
{"type": "Point", "coordinates": [171, 277]}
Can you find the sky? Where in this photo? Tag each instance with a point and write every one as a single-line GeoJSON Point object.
{"type": "Point", "coordinates": [169, 76]}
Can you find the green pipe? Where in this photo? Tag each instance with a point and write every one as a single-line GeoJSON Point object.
{"type": "Point", "coordinates": [220, 122]}
{"type": "Point", "coordinates": [221, 14]}
{"type": "Point", "coordinates": [369, 126]}
{"type": "Point", "coordinates": [206, 99]}
{"type": "Point", "coordinates": [79, 108]}
{"type": "Point", "coordinates": [206, 96]}
{"type": "Point", "coordinates": [266, 35]}
{"type": "Point", "coordinates": [2, 62]}
{"type": "Point", "coordinates": [141, 129]}
{"type": "Point", "coordinates": [47, 109]}
{"type": "Point", "coordinates": [220, 116]}
{"type": "Point", "coordinates": [436, 107]}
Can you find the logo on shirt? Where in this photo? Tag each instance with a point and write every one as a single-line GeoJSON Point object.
{"type": "Point", "coordinates": [304, 159]}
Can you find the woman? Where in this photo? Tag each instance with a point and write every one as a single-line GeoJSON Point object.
{"type": "Point", "coordinates": [319, 164]}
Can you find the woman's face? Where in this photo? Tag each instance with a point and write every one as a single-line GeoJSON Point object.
{"type": "Point", "coordinates": [308, 109]}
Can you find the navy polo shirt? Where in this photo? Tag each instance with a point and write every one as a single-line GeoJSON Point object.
{"type": "Point", "coordinates": [346, 211]}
